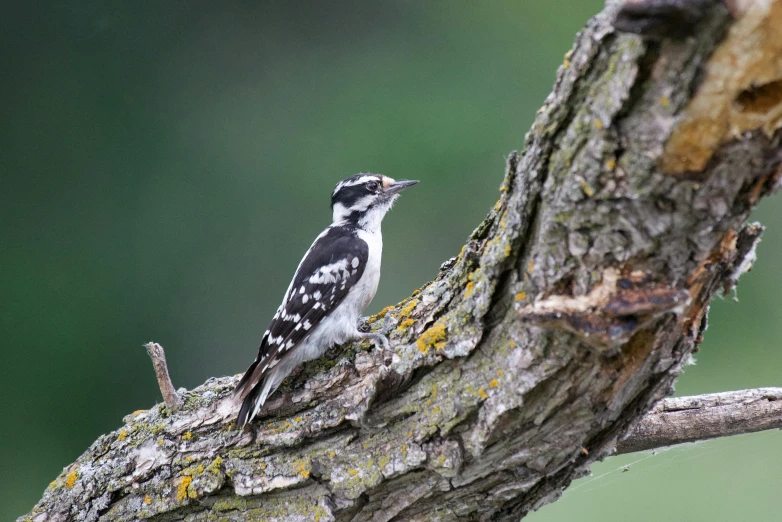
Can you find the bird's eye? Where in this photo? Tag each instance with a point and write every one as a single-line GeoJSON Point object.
{"type": "Point", "coordinates": [373, 185]}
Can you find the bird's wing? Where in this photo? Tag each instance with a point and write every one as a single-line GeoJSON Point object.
{"type": "Point", "coordinates": [332, 265]}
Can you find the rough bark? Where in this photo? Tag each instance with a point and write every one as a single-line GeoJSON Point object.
{"type": "Point", "coordinates": [567, 315]}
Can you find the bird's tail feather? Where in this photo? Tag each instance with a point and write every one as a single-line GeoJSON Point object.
{"type": "Point", "coordinates": [244, 412]}
{"type": "Point", "coordinates": [256, 398]}
{"type": "Point", "coordinates": [246, 392]}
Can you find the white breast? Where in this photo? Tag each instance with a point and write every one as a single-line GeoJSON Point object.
{"type": "Point", "coordinates": [366, 288]}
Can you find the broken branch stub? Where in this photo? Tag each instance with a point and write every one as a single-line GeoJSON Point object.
{"type": "Point", "coordinates": [167, 390]}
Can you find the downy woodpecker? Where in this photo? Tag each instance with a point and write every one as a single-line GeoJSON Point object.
{"type": "Point", "coordinates": [334, 283]}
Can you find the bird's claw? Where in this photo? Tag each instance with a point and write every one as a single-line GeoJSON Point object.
{"type": "Point", "coordinates": [381, 341]}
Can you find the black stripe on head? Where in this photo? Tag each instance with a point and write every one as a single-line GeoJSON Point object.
{"type": "Point", "coordinates": [350, 190]}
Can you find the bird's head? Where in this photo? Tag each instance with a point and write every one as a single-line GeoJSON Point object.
{"type": "Point", "coordinates": [364, 199]}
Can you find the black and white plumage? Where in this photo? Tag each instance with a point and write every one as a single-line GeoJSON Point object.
{"type": "Point", "coordinates": [334, 283]}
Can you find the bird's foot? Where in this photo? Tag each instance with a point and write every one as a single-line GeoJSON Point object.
{"type": "Point", "coordinates": [381, 341]}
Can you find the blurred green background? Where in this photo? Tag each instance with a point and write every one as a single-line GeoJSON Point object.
{"type": "Point", "coordinates": [165, 165]}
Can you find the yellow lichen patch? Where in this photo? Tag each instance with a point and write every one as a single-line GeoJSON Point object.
{"type": "Point", "coordinates": [147, 500]}
{"type": "Point", "coordinates": [160, 442]}
{"type": "Point", "coordinates": [664, 101]}
{"type": "Point", "coordinates": [70, 480]}
{"type": "Point", "coordinates": [214, 467]}
{"type": "Point", "coordinates": [500, 373]}
{"type": "Point", "coordinates": [382, 313]}
{"type": "Point", "coordinates": [483, 393]}
{"type": "Point", "coordinates": [332, 453]}
{"type": "Point", "coordinates": [181, 488]}
{"type": "Point", "coordinates": [587, 189]}
{"type": "Point", "coordinates": [611, 164]}
{"type": "Point", "coordinates": [507, 250]}
{"type": "Point", "coordinates": [353, 472]}
{"type": "Point", "coordinates": [409, 307]}
{"type": "Point", "coordinates": [741, 90]}
{"type": "Point", "coordinates": [123, 434]}
{"type": "Point", "coordinates": [494, 383]}
{"type": "Point", "coordinates": [598, 123]}
{"type": "Point", "coordinates": [512, 343]}
{"type": "Point", "coordinates": [383, 461]}
{"type": "Point", "coordinates": [137, 412]}
{"type": "Point", "coordinates": [531, 265]}
{"type": "Point", "coordinates": [303, 468]}
{"type": "Point", "coordinates": [188, 436]}
{"type": "Point", "coordinates": [566, 61]}
{"type": "Point", "coordinates": [297, 419]}
{"type": "Point", "coordinates": [404, 325]}
{"type": "Point", "coordinates": [468, 290]}
{"type": "Point", "coordinates": [433, 337]}
{"type": "Point", "coordinates": [521, 296]}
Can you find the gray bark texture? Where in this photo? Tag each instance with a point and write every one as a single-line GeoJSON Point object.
{"type": "Point", "coordinates": [566, 316]}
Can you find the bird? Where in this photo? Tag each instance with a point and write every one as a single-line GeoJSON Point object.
{"type": "Point", "coordinates": [333, 284]}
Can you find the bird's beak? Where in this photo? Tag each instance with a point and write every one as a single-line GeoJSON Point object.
{"type": "Point", "coordinates": [398, 186]}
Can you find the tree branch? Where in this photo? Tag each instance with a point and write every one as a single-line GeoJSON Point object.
{"type": "Point", "coordinates": [158, 356]}
{"type": "Point", "coordinates": [689, 419]}
{"type": "Point", "coordinates": [567, 315]}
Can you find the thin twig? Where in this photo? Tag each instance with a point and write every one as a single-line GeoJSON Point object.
{"type": "Point", "coordinates": [158, 356]}
{"type": "Point", "coordinates": [677, 420]}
